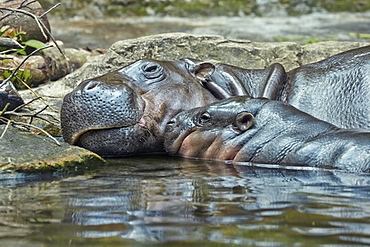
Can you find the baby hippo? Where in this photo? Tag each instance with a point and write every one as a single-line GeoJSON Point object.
{"type": "Point", "coordinates": [244, 129]}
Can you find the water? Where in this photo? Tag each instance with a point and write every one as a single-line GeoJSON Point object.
{"type": "Point", "coordinates": [161, 201]}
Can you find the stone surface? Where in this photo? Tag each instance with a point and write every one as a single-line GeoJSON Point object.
{"type": "Point", "coordinates": [23, 21]}
{"type": "Point", "coordinates": [242, 53]}
{"type": "Point", "coordinates": [23, 151]}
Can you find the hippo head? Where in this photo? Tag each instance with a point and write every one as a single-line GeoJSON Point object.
{"type": "Point", "coordinates": [244, 129]}
{"type": "Point", "coordinates": [125, 112]}
{"type": "Point", "coordinates": [211, 132]}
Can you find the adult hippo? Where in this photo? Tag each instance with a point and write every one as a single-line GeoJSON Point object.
{"type": "Point", "coordinates": [124, 112]}
{"type": "Point", "coordinates": [259, 130]}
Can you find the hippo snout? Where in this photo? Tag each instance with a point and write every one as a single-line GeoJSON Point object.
{"type": "Point", "coordinates": [96, 105]}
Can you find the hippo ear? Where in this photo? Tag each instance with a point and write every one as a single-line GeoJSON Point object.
{"type": "Point", "coordinates": [202, 70]}
{"type": "Point", "coordinates": [244, 120]}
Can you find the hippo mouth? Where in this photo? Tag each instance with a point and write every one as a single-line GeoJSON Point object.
{"type": "Point", "coordinates": [175, 141]}
{"type": "Point", "coordinates": [117, 131]}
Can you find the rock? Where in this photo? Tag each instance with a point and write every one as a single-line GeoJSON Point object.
{"type": "Point", "coordinates": [25, 22]}
{"type": "Point", "coordinates": [10, 43]}
{"type": "Point", "coordinates": [22, 151]}
{"type": "Point", "coordinates": [77, 57]}
{"type": "Point", "coordinates": [48, 65]}
{"type": "Point", "coordinates": [56, 64]}
{"type": "Point", "coordinates": [242, 53]}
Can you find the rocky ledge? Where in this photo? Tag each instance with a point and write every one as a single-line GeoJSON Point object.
{"type": "Point", "coordinates": [23, 151]}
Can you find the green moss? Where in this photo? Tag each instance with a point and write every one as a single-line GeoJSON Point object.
{"type": "Point", "coordinates": [346, 5]}
{"type": "Point", "coordinates": [302, 40]}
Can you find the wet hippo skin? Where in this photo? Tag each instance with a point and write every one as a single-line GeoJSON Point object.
{"type": "Point", "coordinates": [243, 129]}
{"type": "Point", "coordinates": [125, 112]}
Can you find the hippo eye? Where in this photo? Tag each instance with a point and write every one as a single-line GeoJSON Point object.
{"type": "Point", "coordinates": [152, 70]}
{"type": "Point", "coordinates": [204, 118]}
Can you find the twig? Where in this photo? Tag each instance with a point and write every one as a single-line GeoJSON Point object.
{"type": "Point", "coordinates": [35, 115]}
{"type": "Point", "coordinates": [30, 115]}
{"type": "Point", "coordinates": [5, 129]}
{"type": "Point", "coordinates": [23, 105]}
{"type": "Point", "coordinates": [52, 8]}
{"type": "Point", "coordinates": [21, 114]}
{"type": "Point", "coordinates": [4, 110]}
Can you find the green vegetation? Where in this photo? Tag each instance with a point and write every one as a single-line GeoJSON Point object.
{"type": "Point", "coordinates": [302, 40]}
{"type": "Point", "coordinates": [360, 35]}
{"type": "Point", "coordinates": [296, 7]}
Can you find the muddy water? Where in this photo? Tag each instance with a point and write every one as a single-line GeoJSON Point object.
{"type": "Point", "coordinates": [101, 33]}
{"type": "Point", "coordinates": [160, 201]}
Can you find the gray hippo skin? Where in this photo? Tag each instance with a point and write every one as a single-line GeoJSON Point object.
{"type": "Point", "coordinates": [338, 84]}
{"type": "Point", "coordinates": [124, 112]}
{"type": "Point", "coordinates": [258, 130]}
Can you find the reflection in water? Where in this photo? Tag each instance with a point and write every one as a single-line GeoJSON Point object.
{"type": "Point", "coordinates": [163, 200]}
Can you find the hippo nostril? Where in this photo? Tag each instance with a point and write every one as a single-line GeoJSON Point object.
{"type": "Point", "coordinates": [92, 84]}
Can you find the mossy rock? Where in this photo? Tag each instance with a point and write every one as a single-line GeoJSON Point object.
{"type": "Point", "coordinates": [23, 151]}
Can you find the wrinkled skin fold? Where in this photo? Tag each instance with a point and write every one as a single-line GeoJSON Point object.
{"type": "Point", "coordinates": [244, 129]}
{"type": "Point", "coordinates": [125, 112]}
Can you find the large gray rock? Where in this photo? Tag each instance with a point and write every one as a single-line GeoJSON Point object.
{"type": "Point", "coordinates": [243, 53]}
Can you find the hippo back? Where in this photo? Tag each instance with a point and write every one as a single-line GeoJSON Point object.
{"type": "Point", "coordinates": [336, 89]}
